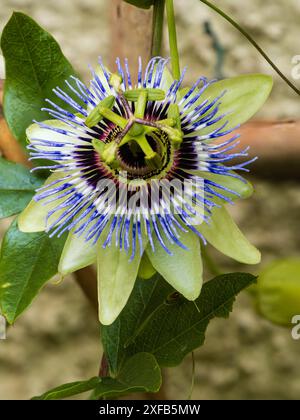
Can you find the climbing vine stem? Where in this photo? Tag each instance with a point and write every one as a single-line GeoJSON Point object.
{"type": "Point", "coordinates": [253, 42]}
{"type": "Point", "coordinates": [157, 27]}
{"type": "Point", "coordinates": [173, 39]}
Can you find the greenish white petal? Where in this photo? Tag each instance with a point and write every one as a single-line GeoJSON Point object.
{"type": "Point", "coordinates": [183, 269]}
{"type": "Point", "coordinates": [116, 278]}
{"type": "Point", "coordinates": [244, 96]}
{"type": "Point", "coordinates": [35, 132]}
{"type": "Point", "coordinates": [226, 237]}
{"type": "Point", "coordinates": [167, 80]}
{"type": "Point", "coordinates": [33, 217]}
{"type": "Point", "coordinates": [242, 187]}
{"type": "Point", "coordinates": [77, 254]}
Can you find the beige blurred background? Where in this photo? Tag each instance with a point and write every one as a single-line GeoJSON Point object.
{"type": "Point", "coordinates": [245, 357]}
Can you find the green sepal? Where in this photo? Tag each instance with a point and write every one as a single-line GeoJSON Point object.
{"type": "Point", "coordinates": [77, 254]}
{"type": "Point", "coordinates": [182, 269]}
{"type": "Point", "coordinates": [34, 217]}
{"type": "Point", "coordinates": [146, 269]}
{"type": "Point", "coordinates": [223, 233]}
{"type": "Point", "coordinates": [242, 97]}
{"type": "Point", "coordinates": [239, 185]}
{"type": "Point", "coordinates": [117, 274]}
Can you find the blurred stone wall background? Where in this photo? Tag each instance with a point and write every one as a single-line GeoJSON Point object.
{"type": "Point", "coordinates": [81, 28]}
{"type": "Point", "coordinates": [56, 340]}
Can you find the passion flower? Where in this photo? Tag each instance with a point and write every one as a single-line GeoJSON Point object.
{"type": "Point", "coordinates": [140, 174]}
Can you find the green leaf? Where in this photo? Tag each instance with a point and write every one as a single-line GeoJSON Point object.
{"type": "Point", "coordinates": [143, 4]}
{"type": "Point", "coordinates": [145, 298]}
{"type": "Point", "coordinates": [178, 326]}
{"type": "Point", "coordinates": [34, 65]}
{"type": "Point", "coordinates": [141, 373]}
{"type": "Point", "coordinates": [17, 186]}
{"type": "Point", "coordinates": [183, 269]}
{"type": "Point", "coordinates": [69, 390]}
{"type": "Point", "coordinates": [158, 321]}
{"type": "Point", "coordinates": [244, 96]}
{"type": "Point", "coordinates": [223, 233]}
{"type": "Point", "coordinates": [277, 291]}
{"type": "Point", "coordinates": [27, 262]}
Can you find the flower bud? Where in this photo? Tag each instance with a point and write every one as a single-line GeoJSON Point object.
{"type": "Point", "coordinates": [278, 291]}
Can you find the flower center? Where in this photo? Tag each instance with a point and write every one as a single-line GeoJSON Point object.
{"type": "Point", "coordinates": [142, 148]}
{"type": "Point", "coordinates": [130, 156]}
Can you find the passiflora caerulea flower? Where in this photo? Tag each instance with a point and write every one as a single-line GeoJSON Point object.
{"type": "Point", "coordinates": [140, 175]}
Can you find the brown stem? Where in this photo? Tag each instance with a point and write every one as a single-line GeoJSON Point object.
{"type": "Point", "coordinates": [104, 367]}
{"type": "Point", "coordinates": [130, 33]}
{"type": "Point", "coordinates": [276, 143]}
{"type": "Point", "coordinates": [9, 146]}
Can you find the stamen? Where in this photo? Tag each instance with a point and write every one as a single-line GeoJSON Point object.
{"type": "Point", "coordinates": [96, 114]}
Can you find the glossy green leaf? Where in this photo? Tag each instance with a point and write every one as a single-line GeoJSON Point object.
{"type": "Point", "coordinates": [161, 322]}
{"type": "Point", "coordinates": [244, 96]}
{"type": "Point", "coordinates": [178, 326]}
{"type": "Point", "coordinates": [146, 297]}
{"type": "Point", "coordinates": [223, 233]}
{"type": "Point", "coordinates": [183, 269]}
{"type": "Point", "coordinates": [27, 262]}
{"type": "Point", "coordinates": [34, 65]}
{"type": "Point", "coordinates": [77, 254]}
{"type": "Point", "coordinates": [17, 186]}
{"type": "Point", "coordinates": [278, 291]}
{"type": "Point", "coordinates": [140, 373]}
{"type": "Point", "coordinates": [69, 390]}
{"type": "Point", "coordinates": [143, 4]}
